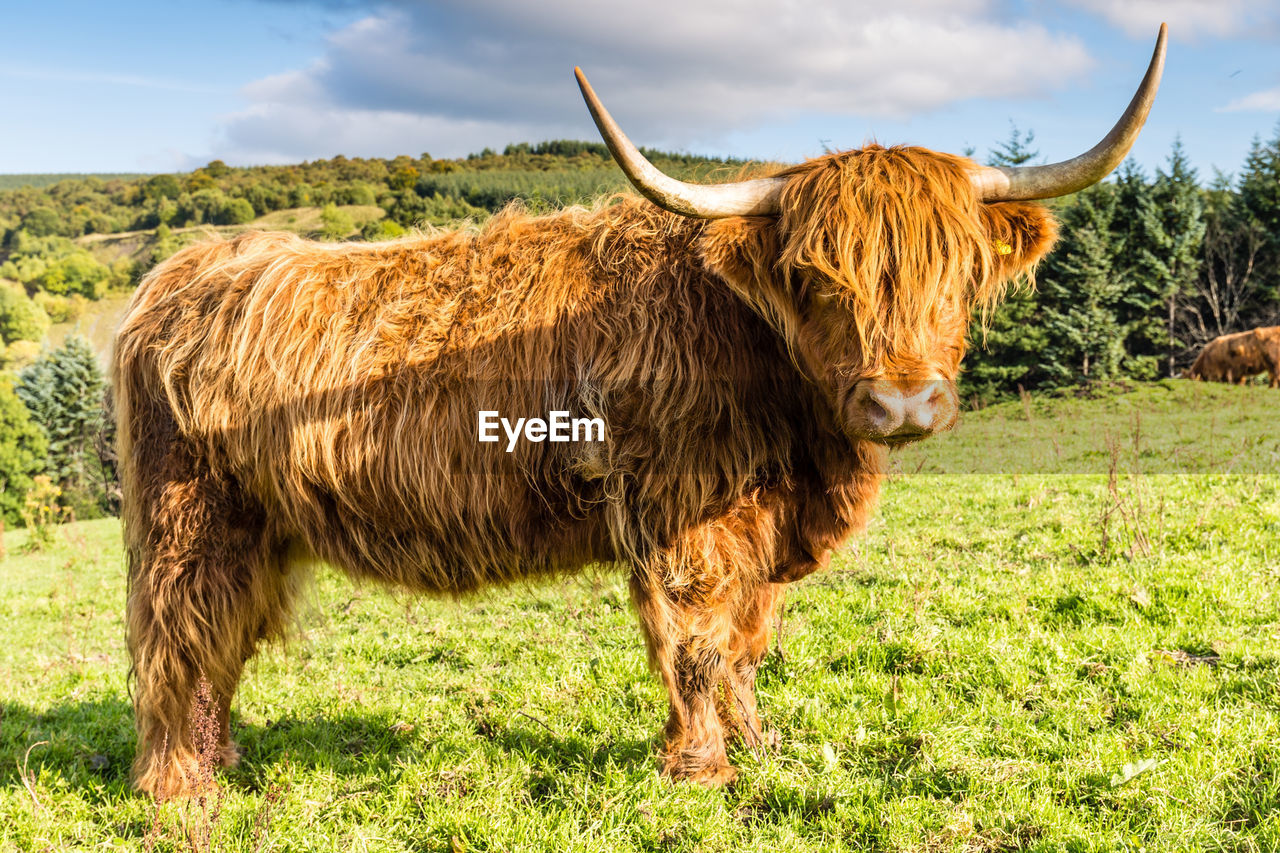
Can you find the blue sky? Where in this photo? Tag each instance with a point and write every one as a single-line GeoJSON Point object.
{"type": "Point", "coordinates": [160, 86]}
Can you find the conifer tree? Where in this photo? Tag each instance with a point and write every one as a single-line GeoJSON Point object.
{"type": "Point", "coordinates": [1137, 248]}
{"type": "Point", "coordinates": [1006, 346]}
{"type": "Point", "coordinates": [1014, 151]}
{"type": "Point", "coordinates": [1179, 201]}
{"type": "Point", "coordinates": [1259, 199]}
{"type": "Point", "coordinates": [1079, 293]}
{"type": "Point", "coordinates": [63, 392]}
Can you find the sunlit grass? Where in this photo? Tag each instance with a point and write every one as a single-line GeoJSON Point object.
{"type": "Point", "coordinates": [1069, 661]}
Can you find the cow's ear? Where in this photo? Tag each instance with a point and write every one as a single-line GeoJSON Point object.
{"type": "Point", "coordinates": [743, 252]}
{"type": "Point", "coordinates": [1021, 233]}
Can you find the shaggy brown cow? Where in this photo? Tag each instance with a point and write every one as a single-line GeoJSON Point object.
{"type": "Point", "coordinates": [1240, 357]}
{"type": "Point", "coordinates": [751, 354]}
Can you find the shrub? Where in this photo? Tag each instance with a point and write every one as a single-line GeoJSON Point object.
{"type": "Point", "coordinates": [237, 211]}
{"type": "Point", "coordinates": [335, 223]}
{"type": "Point", "coordinates": [22, 453]}
{"type": "Point", "coordinates": [382, 229]}
{"type": "Point", "coordinates": [41, 512]}
{"type": "Point", "coordinates": [60, 309]}
{"type": "Point", "coordinates": [18, 354]}
{"type": "Point", "coordinates": [21, 319]}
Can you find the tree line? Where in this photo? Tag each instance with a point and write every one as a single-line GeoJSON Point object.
{"type": "Point", "coordinates": [1148, 268]}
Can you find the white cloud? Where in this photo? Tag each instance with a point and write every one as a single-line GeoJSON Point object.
{"type": "Point", "coordinates": [461, 75]}
{"type": "Point", "coordinates": [1266, 101]}
{"type": "Point", "coordinates": [1187, 19]}
{"type": "Point", "coordinates": [279, 134]}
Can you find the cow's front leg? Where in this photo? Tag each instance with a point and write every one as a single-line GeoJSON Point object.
{"type": "Point", "coordinates": [688, 642]}
{"type": "Point", "coordinates": [750, 643]}
{"type": "Point", "coordinates": [693, 598]}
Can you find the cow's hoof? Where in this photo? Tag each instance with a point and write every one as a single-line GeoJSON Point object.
{"type": "Point", "coordinates": [229, 755]}
{"type": "Point", "coordinates": [713, 776]}
{"type": "Point", "coordinates": [169, 778]}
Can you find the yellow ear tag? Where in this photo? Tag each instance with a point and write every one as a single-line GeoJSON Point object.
{"type": "Point", "coordinates": [1003, 248]}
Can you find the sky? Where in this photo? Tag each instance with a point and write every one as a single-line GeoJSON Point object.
{"type": "Point", "coordinates": [155, 86]}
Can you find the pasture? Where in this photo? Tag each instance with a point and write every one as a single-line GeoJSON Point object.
{"type": "Point", "coordinates": [1062, 632]}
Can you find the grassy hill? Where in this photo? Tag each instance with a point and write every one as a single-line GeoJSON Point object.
{"type": "Point", "coordinates": [1085, 659]}
{"type": "Point", "coordinates": [39, 180]}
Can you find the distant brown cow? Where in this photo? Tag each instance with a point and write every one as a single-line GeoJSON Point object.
{"type": "Point", "coordinates": [751, 350]}
{"type": "Point", "coordinates": [1240, 357]}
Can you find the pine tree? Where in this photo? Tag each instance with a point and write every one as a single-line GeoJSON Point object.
{"type": "Point", "coordinates": [1005, 352]}
{"type": "Point", "coordinates": [1138, 261]}
{"type": "Point", "coordinates": [1005, 347]}
{"type": "Point", "coordinates": [1180, 203]}
{"type": "Point", "coordinates": [1014, 151]}
{"type": "Point", "coordinates": [63, 391]}
{"type": "Point", "coordinates": [1259, 194]}
{"type": "Point", "coordinates": [1158, 234]}
{"type": "Point", "coordinates": [1079, 294]}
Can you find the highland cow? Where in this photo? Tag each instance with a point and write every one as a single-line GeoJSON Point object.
{"type": "Point", "coordinates": [1240, 357]}
{"type": "Point", "coordinates": [751, 348]}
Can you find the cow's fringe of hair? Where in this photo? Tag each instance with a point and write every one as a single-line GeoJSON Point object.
{"type": "Point", "coordinates": [892, 231]}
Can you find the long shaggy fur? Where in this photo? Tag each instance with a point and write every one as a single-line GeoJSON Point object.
{"type": "Point", "coordinates": [281, 401]}
{"type": "Point", "coordinates": [1240, 357]}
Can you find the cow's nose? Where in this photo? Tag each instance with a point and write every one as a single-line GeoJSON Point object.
{"type": "Point", "coordinates": [884, 409]}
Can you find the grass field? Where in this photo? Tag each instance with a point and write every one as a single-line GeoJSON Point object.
{"type": "Point", "coordinates": [1084, 660]}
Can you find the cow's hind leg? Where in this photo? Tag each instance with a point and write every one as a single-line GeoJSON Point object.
{"type": "Point", "coordinates": [206, 584]}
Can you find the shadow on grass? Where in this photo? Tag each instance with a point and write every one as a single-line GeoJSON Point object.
{"type": "Point", "coordinates": [89, 746]}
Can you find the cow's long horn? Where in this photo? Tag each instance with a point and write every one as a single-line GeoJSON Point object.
{"type": "Point", "coordinates": [758, 197]}
{"type": "Point", "coordinates": [1023, 183]}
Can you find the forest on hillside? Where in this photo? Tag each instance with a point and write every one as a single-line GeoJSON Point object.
{"type": "Point", "coordinates": [1149, 267]}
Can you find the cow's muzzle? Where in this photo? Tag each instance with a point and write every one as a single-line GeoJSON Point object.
{"type": "Point", "coordinates": [898, 411]}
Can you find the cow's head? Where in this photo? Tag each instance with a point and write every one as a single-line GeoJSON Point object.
{"type": "Point", "coordinates": [870, 263]}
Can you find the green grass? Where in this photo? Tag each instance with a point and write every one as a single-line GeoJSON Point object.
{"type": "Point", "coordinates": [975, 674]}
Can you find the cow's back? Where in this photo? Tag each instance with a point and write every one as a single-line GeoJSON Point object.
{"type": "Point", "coordinates": [340, 384]}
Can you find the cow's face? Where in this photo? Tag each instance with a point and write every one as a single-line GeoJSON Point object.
{"type": "Point", "coordinates": [872, 273]}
